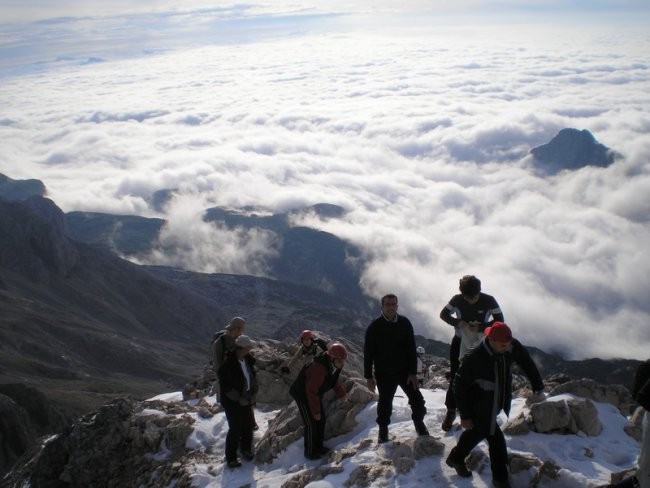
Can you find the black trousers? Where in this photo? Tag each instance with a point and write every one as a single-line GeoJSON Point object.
{"type": "Point", "coordinates": [240, 427]}
{"type": "Point", "coordinates": [387, 384]}
{"type": "Point", "coordinates": [454, 352]}
{"type": "Point", "coordinates": [469, 439]}
{"type": "Point", "coordinates": [314, 429]}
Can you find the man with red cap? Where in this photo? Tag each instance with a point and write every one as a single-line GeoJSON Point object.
{"type": "Point", "coordinates": [483, 387]}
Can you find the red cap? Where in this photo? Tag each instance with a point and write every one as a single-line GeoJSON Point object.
{"type": "Point", "coordinates": [499, 332]}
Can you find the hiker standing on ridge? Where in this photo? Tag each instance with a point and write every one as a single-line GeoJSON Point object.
{"type": "Point", "coordinates": [224, 341]}
{"type": "Point", "coordinates": [469, 313]}
{"type": "Point", "coordinates": [310, 347]}
{"type": "Point", "coordinates": [238, 383]}
{"type": "Point", "coordinates": [313, 381]}
{"type": "Point", "coordinates": [389, 361]}
{"type": "Point", "coordinates": [483, 387]}
{"type": "Point", "coordinates": [224, 344]}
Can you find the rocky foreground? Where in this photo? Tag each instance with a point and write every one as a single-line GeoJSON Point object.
{"type": "Point", "coordinates": [131, 443]}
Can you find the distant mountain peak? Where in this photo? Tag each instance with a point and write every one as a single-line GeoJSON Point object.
{"type": "Point", "coordinates": [322, 210]}
{"type": "Point", "coordinates": [572, 149]}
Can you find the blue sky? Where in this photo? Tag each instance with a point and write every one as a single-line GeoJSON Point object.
{"type": "Point", "coordinates": [417, 121]}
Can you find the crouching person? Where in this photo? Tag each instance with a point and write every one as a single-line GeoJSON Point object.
{"type": "Point", "coordinates": [238, 385]}
{"type": "Point", "coordinates": [308, 389]}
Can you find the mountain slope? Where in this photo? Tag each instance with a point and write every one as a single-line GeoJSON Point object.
{"type": "Point", "coordinates": [72, 313]}
{"type": "Point", "coordinates": [83, 326]}
{"type": "Point", "coordinates": [304, 256]}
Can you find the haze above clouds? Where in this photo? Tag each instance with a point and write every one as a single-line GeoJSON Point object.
{"type": "Point", "coordinates": [418, 127]}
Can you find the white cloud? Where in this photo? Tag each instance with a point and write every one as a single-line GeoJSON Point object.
{"type": "Point", "coordinates": [421, 137]}
{"type": "Point", "coordinates": [188, 242]}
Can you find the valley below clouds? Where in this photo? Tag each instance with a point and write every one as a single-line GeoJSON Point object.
{"type": "Point", "coordinates": [422, 135]}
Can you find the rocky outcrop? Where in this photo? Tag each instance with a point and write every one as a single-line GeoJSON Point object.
{"type": "Point", "coordinates": [33, 239]}
{"type": "Point", "coordinates": [17, 190]}
{"type": "Point", "coordinates": [571, 149]}
{"type": "Point", "coordinates": [395, 458]}
{"type": "Point", "coordinates": [270, 355]}
{"type": "Point", "coordinates": [574, 414]}
{"type": "Point", "coordinates": [113, 447]}
{"type": "Point", "coordinates": [287, 426]}
{"type": "Point", "coordinates": [17, 432]}
{"type": "Point", "coordinates": [566, 416]}
{"type": "Point", "coordinates": [617, 395]}
{"type": "Point", "coordinates": [126, 443]}
{"type": "Point", "coordinates": [25, 414]}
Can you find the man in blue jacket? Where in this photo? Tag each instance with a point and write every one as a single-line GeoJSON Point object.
{"type": "Point", "coordinates": [389, 361]}
{"type": "Point", "coordinates": [483, 387]}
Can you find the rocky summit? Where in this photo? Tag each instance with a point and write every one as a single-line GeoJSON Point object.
{"type": "Point", "coordinates": [571, 149]}
{"type": "Point", "coordinates": [147, 443]}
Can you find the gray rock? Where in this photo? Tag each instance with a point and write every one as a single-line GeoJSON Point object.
{"type": "Point", "coordinates": [585, 414]}
{"type": "Point", "coordinates": [517, 426]}
{"type": "Point", "coordinates": [553, 417]}
{"type": "Point", "coordinates": [617, 395]}
{"type": "Point", "coordinates": [287, 426]}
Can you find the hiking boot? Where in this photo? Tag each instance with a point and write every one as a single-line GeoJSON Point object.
{"type": "Point", "coordinates": [234, 463]}
{"type": "Point", "coordinates": [383, 434]}
{"type": "Point", "coordinates": [420, 428]}
{"type": "Point", "coordinates": [248, 455]}
{"type": "Point", "coordinates": [501, 484]}
{"type": "Point", "coordinates": [324, 451]}
{"type": "Point", "coordinates": [461, 468]}
{"type": "Point", "coordinates": [448, 422]}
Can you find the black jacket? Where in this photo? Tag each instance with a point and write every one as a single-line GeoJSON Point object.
{"type": "Point", "coordinates": [483, 384]}
{"type": "Point", "coordinates": [389, 347]}
{"type": "Point", "coordinates": [232, 382]}
{"type": "Point", "coordinates": [485, 311]}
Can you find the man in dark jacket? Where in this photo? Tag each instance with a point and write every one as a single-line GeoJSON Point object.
{"type": "Point", "coordinates": [390, 350]}
{"type": "Point", "coordinates": [469, 312]}
{"type": "Point", "coordinates": [483, 387]}
{"type": "Point", "coordinates": [313, 381]}
{"type": "Point", "coordinates": [238, 384]}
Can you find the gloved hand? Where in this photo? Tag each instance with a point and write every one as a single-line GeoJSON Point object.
{"type": "Point", "coordinates": [285, 370]}
{"type": "Point", "coordinates": [243, 402]}
{"type": "Point", "coordinates": [536, 397]}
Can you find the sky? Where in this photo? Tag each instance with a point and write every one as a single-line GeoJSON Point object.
{"type": "Point", "coordinates": [416, 117]}
{"type": "Point", "coordinates": [613, 450]}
